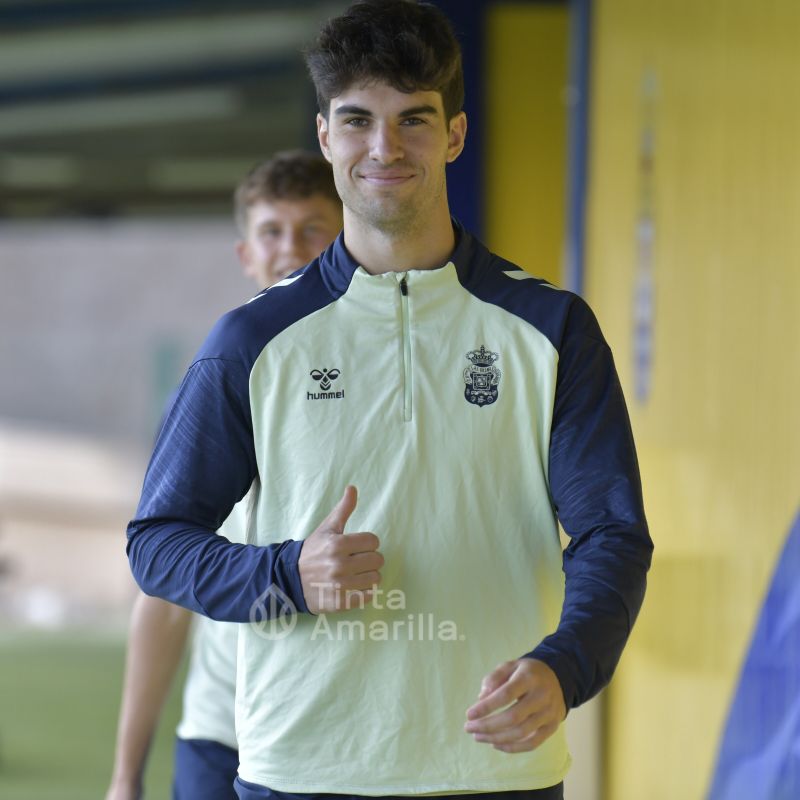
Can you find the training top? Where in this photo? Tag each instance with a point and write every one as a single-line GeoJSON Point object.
{"type": "Point", "coordinates": [473, 406]}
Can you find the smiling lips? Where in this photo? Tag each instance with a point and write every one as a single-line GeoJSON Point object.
{"type": "Point", "coordinates": [386, 178]}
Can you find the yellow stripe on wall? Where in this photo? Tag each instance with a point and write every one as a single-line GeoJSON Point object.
{"type": "Point", "coordinates": [526, 135]}
{"type": "Point", "coordinates": [719, 434]}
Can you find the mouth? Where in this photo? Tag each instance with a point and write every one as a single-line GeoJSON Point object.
{"type": "Point", "coordinates": [386, 178]}
{"type": "Point", "coordinates": [286, 271]}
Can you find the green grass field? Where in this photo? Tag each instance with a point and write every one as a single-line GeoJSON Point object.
{"type": "Point", "coordinates": [59, 698]}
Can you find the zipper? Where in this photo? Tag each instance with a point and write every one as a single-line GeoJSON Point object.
{"type": "Point", "coordinates": [406, 333]}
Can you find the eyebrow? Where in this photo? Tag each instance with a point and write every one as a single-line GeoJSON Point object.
{"type": "Point", "coordinates": [364, 112]}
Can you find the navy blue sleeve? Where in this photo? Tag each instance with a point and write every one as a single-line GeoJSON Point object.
{"type": "Point", "coordinates": [596, 491]}
{"type": "Point", "coordinates": [203, 464]}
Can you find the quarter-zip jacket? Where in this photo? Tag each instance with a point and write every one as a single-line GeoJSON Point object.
{"type": "Point", "coordinates": [473, 406]}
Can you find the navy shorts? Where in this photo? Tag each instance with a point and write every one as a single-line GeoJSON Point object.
{"type": "Point", "coordinates": [204, 770]}
{"type": "Point", "coordinates": [250, 791]}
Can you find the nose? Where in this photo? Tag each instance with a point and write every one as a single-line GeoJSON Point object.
{"type": "Point", "coordinates": [385, 147]}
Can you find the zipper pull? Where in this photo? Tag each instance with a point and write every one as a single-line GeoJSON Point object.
{"type": "Point", "coordinates": [404, 286]}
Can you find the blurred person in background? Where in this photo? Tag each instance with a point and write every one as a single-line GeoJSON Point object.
{"type": "Point", "coordinates": [287, 211]}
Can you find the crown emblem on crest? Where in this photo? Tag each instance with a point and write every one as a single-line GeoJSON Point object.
{"type": "Point", "coordinates": [482, 378]}
{"type": "Point", "coordinates": [482, 357]}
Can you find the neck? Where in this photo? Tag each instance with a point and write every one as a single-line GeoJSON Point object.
{"type": "Point", "coordinates": [426, 246]}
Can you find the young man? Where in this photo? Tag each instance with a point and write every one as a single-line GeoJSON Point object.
{"type": "Point", "coordinates": [471, 404]}
{"type": "Point", "coordinates": [287, 212]}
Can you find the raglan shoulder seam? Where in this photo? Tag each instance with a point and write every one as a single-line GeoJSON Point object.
{"type": "Point", "coordinates": [235, 361]}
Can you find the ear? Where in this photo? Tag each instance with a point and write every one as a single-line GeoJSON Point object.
{"type": "Point", "coordinates": [243, 253]}
{"type": "Point", "coordinates": [322, 136]}
{"type": "Point", "coordinates": [456, 136]}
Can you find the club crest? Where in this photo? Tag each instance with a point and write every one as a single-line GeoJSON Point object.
{"type": "Point", "coordinates": [482, 377]}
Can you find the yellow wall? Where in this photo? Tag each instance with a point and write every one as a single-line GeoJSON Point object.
{"type": "Point", "coordinates": [719, 438]}
{"type": "Point", "coordinates": [525, 118]}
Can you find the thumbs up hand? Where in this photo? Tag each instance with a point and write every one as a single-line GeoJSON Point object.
{"type": "Point", "coordinates": [338, 570]}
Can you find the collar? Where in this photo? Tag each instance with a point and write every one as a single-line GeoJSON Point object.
{"type": "Point", "coordinates": [338, 266]}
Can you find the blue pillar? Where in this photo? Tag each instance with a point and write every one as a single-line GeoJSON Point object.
{"type": "Point", "coordinates": [465, 175]}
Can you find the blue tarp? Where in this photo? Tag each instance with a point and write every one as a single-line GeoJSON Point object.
{"type": "Point", "coordinates": [759, 758]}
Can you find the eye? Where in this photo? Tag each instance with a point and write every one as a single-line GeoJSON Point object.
{"type": "Point", "coordinates": [412, 122]}
{"type": "Point", "coordinates": [356, 122]}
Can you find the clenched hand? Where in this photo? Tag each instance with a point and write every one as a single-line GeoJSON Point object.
{"type": "Point", "coordinates": [338, 570]}
{"type": "Point", "coordinates": [519, 706]}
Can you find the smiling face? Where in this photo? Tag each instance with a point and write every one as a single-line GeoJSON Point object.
{"type": "Point", "coordinates": [284, 235]}
{"type": "Point", "coordinates": [388, 150]}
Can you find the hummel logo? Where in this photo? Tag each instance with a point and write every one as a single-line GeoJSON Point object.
{"type": "Point", "coordinates": [325, 378]}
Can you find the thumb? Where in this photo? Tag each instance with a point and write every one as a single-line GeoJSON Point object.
{"type": "Point", "coordinates": [337, 519]}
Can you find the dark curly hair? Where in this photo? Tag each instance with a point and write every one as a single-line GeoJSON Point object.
{"type": "Point", "coordinates": [409, 45]}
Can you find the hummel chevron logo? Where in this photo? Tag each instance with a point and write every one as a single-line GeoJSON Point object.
{"type": "Point", "coordinates": [325, 377]}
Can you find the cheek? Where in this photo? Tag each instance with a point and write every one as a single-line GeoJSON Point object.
{"type": "Point", "coordinates": [321, 240]}
{"type": "Point", "coordinates": [265, 255]}
{"type": "Point", "coordinates": [313, 246]}
{"type": "Point", "coordinates": [265, 249]}
{"type": "Point", "coordinates": [346, 149]}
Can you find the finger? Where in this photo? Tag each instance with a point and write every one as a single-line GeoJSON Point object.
{"type": "Point", "coordinates": [515, 715]}
{"type": "Point", "coordinates": [365, 542]}
{"type": "Point", "coordinates": [496, 678]}
{"type": "Point", "coordinates": [359, 583]}
{"type": "Point", "coordinates": [505, 694]}
{"type": "Point", "coordinates": [337, 519]}
{"type": "Point", "coordinates": [364, 562]}
{"type": "Point", "coordinates": [530, 743]}
{"type": "Point", "coordinates": [516, 732]}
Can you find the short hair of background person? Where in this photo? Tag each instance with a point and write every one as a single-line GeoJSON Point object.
{"type": "Point", "coordinates": [288, 175]}
{"type": "Point", "coordinates": [410, 46]}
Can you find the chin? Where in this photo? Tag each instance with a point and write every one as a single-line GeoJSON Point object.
{"type": "Point", "coordinates": [285, 273]}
